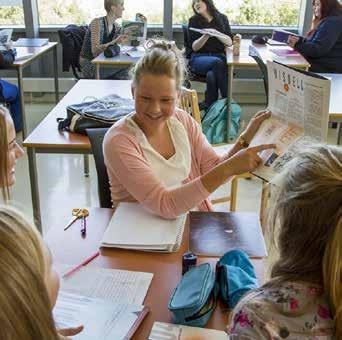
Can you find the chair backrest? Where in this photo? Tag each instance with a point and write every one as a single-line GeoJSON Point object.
{"type": "Point", "coordinates": [96, 140]}
{"type": "Point", "coordinates": [253, 52]}
{"type": "Point", "coordinates": [188, 49]}
{"type": "Point", "coordinates": [188, 101]}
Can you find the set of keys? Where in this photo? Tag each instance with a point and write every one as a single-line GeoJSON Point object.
{"type": "Point", "coordinates": [77, 214]}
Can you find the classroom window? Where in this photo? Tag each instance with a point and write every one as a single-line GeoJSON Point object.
{"type": "Point", "coordinates": [11, 12]}
{"type": "Point", "coordinates": [83, 11]}
{"type": "Point", "coordinates": [247, 12]}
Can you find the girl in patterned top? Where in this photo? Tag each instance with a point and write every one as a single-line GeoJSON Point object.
{"type": "Point", "coordinates": [103, 32]}
{"type": "Point", "coordinates": [303, 299]}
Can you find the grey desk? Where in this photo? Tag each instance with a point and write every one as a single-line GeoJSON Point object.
{"type": "Point", "coordinates": [36, 52]}
{"type": "Point", "coordinates": [46, 138]}
{"type": "Point", "coordinates": [119, 60]}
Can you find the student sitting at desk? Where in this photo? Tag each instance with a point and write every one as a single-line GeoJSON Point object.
{"type": "Point", "coordinates": [322, 46]}
{"type": "Point", "coordinates": [208, 57]}
{"type": "Point", "coordinates": [10, 151]}
{"type": "Point", "coordinates": [28, 284]}
{"type": "Point", "coordinates": [158, 154]}
{"type": "Point", "coordinates": [9, 93]}
{"type": "Point", "coordinates": [103, 32]}
{"type": "Point", "coordinates": [303, 299]}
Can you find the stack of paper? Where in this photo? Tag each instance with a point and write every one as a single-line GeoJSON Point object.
{"type": "Point", "coordinates": [102, 320]}
{"type": "Point", "coordinates": [133, 227]}
{"type": "Point", "coordinates": [107, 302]}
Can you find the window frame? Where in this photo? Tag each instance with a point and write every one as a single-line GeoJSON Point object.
{"type": "Point", "coordinates": [32, 26]}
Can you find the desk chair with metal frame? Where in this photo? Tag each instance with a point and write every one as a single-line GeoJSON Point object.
{"type": "Point", "coordinates": [189, 103]}
{"type": "Point", "coordinates": [265, 186]}
{"type": "Point", "coordinates": [96, 140]}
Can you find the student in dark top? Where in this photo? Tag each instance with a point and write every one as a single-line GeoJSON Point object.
{"type": "Point", "coordinates": [9, 93]}
{"type": "Point", "coordinates": [322, 46]}
{"type": "Point", "coordinates": [208, 50]}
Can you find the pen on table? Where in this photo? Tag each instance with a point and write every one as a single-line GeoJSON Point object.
{"type": "Point", "coordinates": [84, 263]}
{"type": "Point", "coordinates": [84, 227]}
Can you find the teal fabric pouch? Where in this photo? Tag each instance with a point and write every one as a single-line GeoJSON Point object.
{"type": "Point", "coordinates": [236, 276]}
{"type": "Point", "coordinates": [195, 297]}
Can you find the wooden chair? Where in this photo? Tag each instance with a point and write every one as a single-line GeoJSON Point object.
{"type": "Point", "coordinates": [189, 103]}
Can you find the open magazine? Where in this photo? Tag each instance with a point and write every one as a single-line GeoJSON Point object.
{"type": "Point", "coordinates": [299, 102]}
{"type": "Point", "coordinates": [136, 31]}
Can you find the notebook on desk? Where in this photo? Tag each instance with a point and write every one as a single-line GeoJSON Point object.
{"type": "Point", "coordinates": [133, 227]}
{"type": "Point", "coordinates": [215, 233]}
{"type": "Point", "coordinates": [31, 42]}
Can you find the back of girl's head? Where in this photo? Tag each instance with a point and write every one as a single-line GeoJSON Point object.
{"type": "Point", "coordinates": [25, 311]}
{"type": "Point", "coordinates": [109, 3]}
{"type": "Point", "coordinates": [161, 58]}
{"type": "Point", "coordinates": [211, 8]}
{"type": "Point", "coordinates": [4, 114]}
{"type": "Point", "coordinates": [307, 214]}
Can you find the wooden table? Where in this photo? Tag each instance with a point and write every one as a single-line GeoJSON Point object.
{"type": "Point", "coordinates": [46, 138]}
{"type": "Point", "coordinates": [119, 60]}
{"type": "Point", "coordinates": [69, 248]}
{"type": "Point", "coordinates": [244, 60]}
{"type": "Point", "coordinates": [36, 52]}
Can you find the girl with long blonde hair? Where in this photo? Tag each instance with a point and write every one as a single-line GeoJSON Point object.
{"type": "Point", "coordinates": [10, 151]}
{"type": "Point", "coordinates": [303, 299]}
{"type": "Point", "coordinates": [28, 284]}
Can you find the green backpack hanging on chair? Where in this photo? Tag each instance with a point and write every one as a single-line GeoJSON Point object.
{"type": "Point", "coordinates": [214, 121]}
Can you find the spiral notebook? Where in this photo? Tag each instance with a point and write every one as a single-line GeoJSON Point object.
{"type": "Point", "coordinates": [133, 227]}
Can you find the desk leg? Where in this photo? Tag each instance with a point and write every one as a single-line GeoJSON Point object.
{"type": "Point", "coordinates": [55, 69]}
{"type": "Point", "coordinates": [31, 152]}
{"type": "Point", "coordinates": [229, 98]}
{"type": "Point", "coordinates": [22, 101]}
{"type": "Point", "coordinates": [97, 71]}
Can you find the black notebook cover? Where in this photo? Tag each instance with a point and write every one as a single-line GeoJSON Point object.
{"type": "Point", "coordinates": [215, 233]}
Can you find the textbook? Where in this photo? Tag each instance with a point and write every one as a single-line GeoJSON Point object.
{"type": "Point", "coordinates": [31, 42]}
{"type": "Point", "coordinates": [285, 52]}
{"type": "Point", "coordinates": [168, 331]}
{"type": "Point", "coordinates": [133, 227]}
{"type": "Point", "coordinates": [282, 35]}
{"type": "Point", "coordinates": [215, 233]}
{"type": "Point", "coordinates": [102, 320]}
{"type": "Point", "coordinates": [299, 102]}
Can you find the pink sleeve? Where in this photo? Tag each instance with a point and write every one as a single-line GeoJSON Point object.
{"type": "Point", "coordinates": [124, 159]}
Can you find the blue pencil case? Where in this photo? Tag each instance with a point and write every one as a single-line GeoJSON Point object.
{"type": "Point", "coordinates": [195, 297]}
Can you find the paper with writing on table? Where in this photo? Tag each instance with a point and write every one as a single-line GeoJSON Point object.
{"type": "Point", "coordinates": [299, 102]}
{"type": "Point", "coordinates": [133, 227]}
{"type": "Point", "coordinates": [168, 331]}
{"type": "Point", "coordinates": [112, 285]}
{"type": "Point", "coordinates": [102, 320]}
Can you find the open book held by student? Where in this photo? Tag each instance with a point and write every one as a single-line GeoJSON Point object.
{"type": "Point", "coordinates": [299, 102]}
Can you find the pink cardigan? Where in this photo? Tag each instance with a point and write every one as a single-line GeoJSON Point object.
{"type": "Point", "coordinates": [131, 178]}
